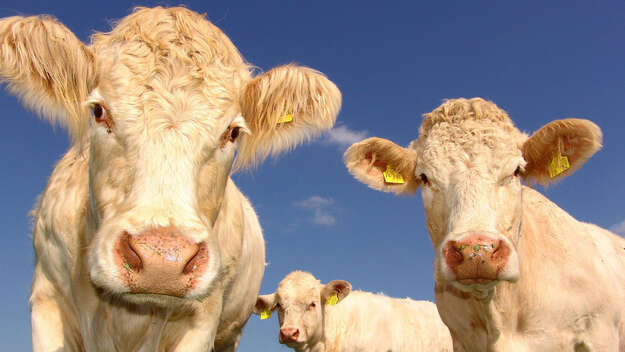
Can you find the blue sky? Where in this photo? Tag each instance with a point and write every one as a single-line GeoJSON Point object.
{"type": "Point", "coordinates": [538, 60]}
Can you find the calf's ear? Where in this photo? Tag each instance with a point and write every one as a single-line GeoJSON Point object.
{"type": "Point", "coordinates": [559, 148]}
{"type": "Point", "coordinates": [284, 107]}
{"type": "Point", "coordinates": [264, 303]}
{"type": "Point", "coordinates": [383, 165]}
{"type": "Point", "coordinates": [334, 291]}
{"type": "Point", "coordinates": [46, 66]}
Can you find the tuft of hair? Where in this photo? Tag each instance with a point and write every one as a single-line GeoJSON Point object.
{"type": "Point", "coordinates": [48, 68]}
{"type": "Point", "coordinates": [455, 111]}
{"type": "Point", "coordinates": [312, 99]}
{"type": "Point", "coordinates": [577, 139]}
{"type": "Point", "coordinates": [367, 160]}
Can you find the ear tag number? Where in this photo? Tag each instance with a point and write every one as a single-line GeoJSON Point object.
{"type": "Point", "coordinates": [332, 300]}
{"type": "Point", "coordinates": [392, 176]}
{"type": "Point", "coordinates": [265, 314]}
{"type": "Point", "coordinates": [559, 164]}
{"type": "Point", "coordinates": [285, 118]}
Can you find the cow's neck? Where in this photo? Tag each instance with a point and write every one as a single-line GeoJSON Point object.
{"type": "Point", "coordinates": [315, 347]}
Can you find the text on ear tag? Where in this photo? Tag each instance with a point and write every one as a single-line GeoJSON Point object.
{"type": "Point", "coordinates": [285, 118]}
{"type": "Point", "coordinates": [392, 176]}
{"type": "Point", "coordinates": [558, 164]}
{"type": "Point", "coordinates": [332, 300]}
{"type": "Point", "coordinates": [265, 314]}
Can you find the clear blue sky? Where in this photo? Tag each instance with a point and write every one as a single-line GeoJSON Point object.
{"type": "Point", "coordinates": [538, 60]}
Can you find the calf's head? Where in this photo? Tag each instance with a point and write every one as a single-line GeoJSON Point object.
{"type": "Point", "coordinates": [469, 160]}
{"type": "Point", "coordinates": [301, 302]}
{"type": "Point", "coordinates": [159, 105]}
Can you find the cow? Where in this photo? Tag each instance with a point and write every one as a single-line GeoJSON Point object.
{"type": "Point", "coordinates": [142, 240]}
{"type": "Point", "coordinates": [315, 317]}
{"type": "Point", "coordinates": [513, 271]}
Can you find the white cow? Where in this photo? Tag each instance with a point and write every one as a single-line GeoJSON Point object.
{"type": "Point", "coordinates": [513, 271]}
{"type": "Point", "coordinates": [142, 240]}
{"type": "Point", "coordinates": [312, 321]}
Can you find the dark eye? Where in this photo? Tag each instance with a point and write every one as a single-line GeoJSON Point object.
{"type": "Point", "coordinates": [517, 172]}
{"type": "Point", "coordinates": [98, 111]}
{"type": "Point", "coordinates": [234, 133]}
{"type": "Point", "coordinates": [311, 306]}
{"type": "Point", "coordinates": [424, 179]}
{"type": "Point", "coordinates": [279, 306]}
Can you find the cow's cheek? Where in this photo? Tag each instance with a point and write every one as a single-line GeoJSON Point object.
{"type": "Point", "coordinates": [435, 215]}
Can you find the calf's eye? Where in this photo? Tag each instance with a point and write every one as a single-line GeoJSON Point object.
{"type": "Point", "coordinates": [311, 306]}
{"type": "Point", "coordinates": [517, 172]}
{"type": "Point", "coordinates": [424, 179]}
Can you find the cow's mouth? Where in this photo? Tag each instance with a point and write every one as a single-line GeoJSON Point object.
{"type": "Point", "coordinates": [473, 281]}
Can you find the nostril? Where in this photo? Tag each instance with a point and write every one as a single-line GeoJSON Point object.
{"type": "Point", "coordinates": [130, 256]}
{"type": "Point", "coordinates": [452, 254]}
{"type": "Point", "coordinates": [198, 258]}
{"type": "Point", "coordinates": [296, 333]}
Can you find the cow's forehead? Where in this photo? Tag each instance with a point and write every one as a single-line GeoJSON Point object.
{"type": "Point", "coordinates": [298, 286]}
{"type": "Point", "coordinates": [170, 61]}
{"type": "Point", "coordinates": [465, 133]}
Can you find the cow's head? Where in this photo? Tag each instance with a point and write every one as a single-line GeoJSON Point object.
{"type": "Point", "coordinates": [301, 302]}
{"type": "Point", "coordinates": [469, 160]}
{"type": "Point", "coordinates": [160, 104]}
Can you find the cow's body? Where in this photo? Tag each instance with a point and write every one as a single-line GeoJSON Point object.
{"type": "Point", "coordinates": [570, 295]}
{"type": "Point", "coordinates": [332, 318]}
{"type": "Point", "coordinates": [142, 240]}
{"type": "Point", "coordinates": [92, 322]}
{"type": "Point", "coordinates": [364, 321]}
{"type": "Point", "coordinates": [513, 271]}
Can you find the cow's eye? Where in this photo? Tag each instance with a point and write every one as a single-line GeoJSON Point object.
{"type": "Point", "coordinates": [424, 179]}
{"type": "Point", "coordinates": [98, 111]}
{"type": "Point", "coordinates": [278, 306]}
{"type": "Point", "coordinates": [234, 133]}
{"type": "Point", "coordinates": [517, 172]}
{"type": "Point", "coordinates": [311, 306]}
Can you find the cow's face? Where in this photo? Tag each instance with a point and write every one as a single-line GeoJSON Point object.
{"type": "Point", "coordinates": [470, 179]}
{"type": "Point", "coordinates": [162, 101]}
{"type": "Point", "coordinates": [469, 160]}
{"type": "Point", "coordinates": [301, 301]}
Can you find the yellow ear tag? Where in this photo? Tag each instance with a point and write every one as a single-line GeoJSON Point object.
{"type": "Point", "coordinates": [286, 118]}
{"type": "Point", "coordinates": [332, 300]}
{"type": "Point", "coordinates": [265, 314]}
{"type": "Point", "coordinates": [558, 164]}
{"type": "Point", "coordinates": [392, 176]}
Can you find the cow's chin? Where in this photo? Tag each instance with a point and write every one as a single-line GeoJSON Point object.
{"type": "Point", "coordinates": [148, 300]}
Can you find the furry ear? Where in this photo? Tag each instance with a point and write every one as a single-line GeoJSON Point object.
{"type": "Point", "coordinates": [284, 107]}
{"type": "Point", "coordinates": [341, 288]}
{"type": "Point", "coordinates": [264, 302]}
{"type": "Point", "coordinates": [49, 68]}
{"type": "Point", "coordinates": [368, 160]}
{"type": "Point", "coordinates": [559, 148]}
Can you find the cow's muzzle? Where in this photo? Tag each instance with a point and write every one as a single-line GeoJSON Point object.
{"type": "Point", "coordinates": [479, 258]}
{"type": "Point", "coordinates": [160, 261]}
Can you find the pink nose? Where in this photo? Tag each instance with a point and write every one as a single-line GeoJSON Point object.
{"type": "Point", "coordinates": [476, 258]}
{"type": "Point", "coordinates": [289, 334]}
{"type": "Point", "coordinates": [160, 261]}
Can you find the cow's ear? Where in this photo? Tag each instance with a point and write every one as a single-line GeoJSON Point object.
{"type": "Point", "coordinates": [559, 148]}
{"type": "Point", "coordinates": [334, 291]}
{"type": "Point", "coordinates": [46, 66]}
{"type": "Point", "coordinates": [383, 165]}
{"type": "Point", "coordinates": [265, 303]}
{"type": "Point", "coordinates": [284, 107]}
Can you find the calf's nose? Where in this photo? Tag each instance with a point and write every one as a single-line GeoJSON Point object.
{"type": "Point", "coordinates": [289, 334]}
{"type": "Point", "coordinates": [476, 258]}
{"type": "Point", "coordinates": [160, 261]}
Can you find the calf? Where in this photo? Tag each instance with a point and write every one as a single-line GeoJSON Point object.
{"type": "Point", "coordinates": [142, 240]}
{"type": "Point", "coordinates": [312, 321]}
{"type": "Point", "coordinates": [513, 271]}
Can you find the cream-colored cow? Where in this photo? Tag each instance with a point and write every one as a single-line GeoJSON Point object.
{"type": "Point", "coordinates": [332, 318]}
{"type": "Point", "coordinates": [513, 271]}
{"type": "Point", "coordinates": [142, 240]}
